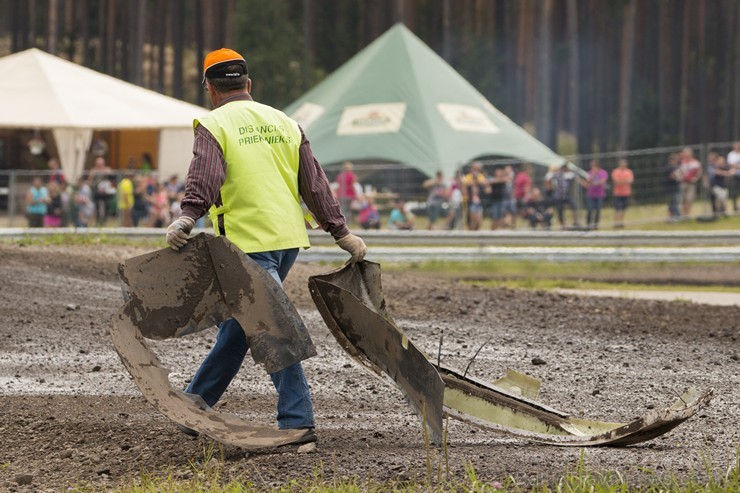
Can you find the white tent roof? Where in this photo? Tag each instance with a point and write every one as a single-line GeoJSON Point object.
{"type": "Point", "coordinates": [39, 90]}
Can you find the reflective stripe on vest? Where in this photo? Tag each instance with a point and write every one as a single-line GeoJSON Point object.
{"type": "Point", "coordinates": [261, 207]}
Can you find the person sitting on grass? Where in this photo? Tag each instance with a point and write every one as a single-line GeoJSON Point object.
{"type": "Point", "coordinates": [399, 218]}
{"type": "Point", "coordinates": [369, 215]}
{"type": "Point", "coordinates": [537, 211]}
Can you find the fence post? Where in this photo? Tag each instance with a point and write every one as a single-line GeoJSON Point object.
{"type": "Point", "coordinates": [11, 198]}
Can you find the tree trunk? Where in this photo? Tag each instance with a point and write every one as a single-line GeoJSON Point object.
{"type": "Point", "coordinates": [703, 120]}
{"type": "Point", "coordinates": [685, 55]}
{"type": "Point", "coordinates": [85, 31]}
{"type": "Point", "coordinates": [199, 43]}
{"type": "Point", "coordinates": [111, 35]}
{"type": "Point", "coordinates": [70, 29]}
{"type": "Point", "coordinates": [309, 37]}
{"type": "Point", "coordinates": [177, 17]}
{"type": "Point", "coordinates": [161, 37]}
{"type": "Point", "coordinates": [602, 64]}
{"type": "Point", "coordinates": [446, 32]}
{"type": "Point", "coordinates": [625, 83]}
{"type": "Point", "coordinates": [138, 23]}
{"type": "Point", "coordinates": [32, 22]}
{"type": "Point", "coordinates": [725, 117]}
{"type": "Point", "coordinates": [53, 34]}
{"type": "Point", "coordinates": [228, 22]}
{"type": "Point", "coordinates": [544, 76]}
{"type": "Point", "coordinates": [573, 65]}
{"type": "Point", "coordinates": [736, 90]}
{"type": "Point", "coordinates": [665, 69]}
{"type": "Point", "coordinates": [399, 11]}
{"type": "Point", "coordinates": [102, 36]}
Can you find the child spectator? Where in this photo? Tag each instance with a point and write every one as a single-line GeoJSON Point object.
{"type": "Point", "coordinates": [369, 216]}
{"type": "Point", "coordinates": [85, 204]}
{"type": "Point", "coordinates": [37, 199]}
{"type": "Point", "coordinates": [159, 207]}
{"type": "Point", "coordinates": [400, 218]}
{"type": "Point", "coordinates": [537, 211]}
{"type": "Point", "coordinates": [55, 208]}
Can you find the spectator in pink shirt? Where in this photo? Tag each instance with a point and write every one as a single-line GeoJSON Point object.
{"type": "Point", "coordinates": [523, 187]}
{"type": "Point", "coordinates": [345, 190]}
{"type": "Point", "coordinates": [595, 185]}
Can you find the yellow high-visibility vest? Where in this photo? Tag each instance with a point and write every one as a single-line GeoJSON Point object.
{"type": "Point", "coordinates": [261, 207]}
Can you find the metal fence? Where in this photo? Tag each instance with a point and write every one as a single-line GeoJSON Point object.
{"type": "Point", "coordinates": [388, 182]}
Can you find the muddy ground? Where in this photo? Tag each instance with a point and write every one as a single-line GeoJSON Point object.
{"type": "Point", "coordinates": [70, 415]}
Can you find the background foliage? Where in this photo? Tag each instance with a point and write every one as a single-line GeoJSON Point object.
{"type": "Point", "coordinates": [613, 74]}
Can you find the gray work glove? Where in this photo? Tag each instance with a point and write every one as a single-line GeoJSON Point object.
{"type": "Point", "coordinates": [354, 245]}
{"type": "Point", "coordinates": [179, 232]}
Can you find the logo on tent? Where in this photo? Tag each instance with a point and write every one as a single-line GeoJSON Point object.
{"type": "Point", "coordinates": [467, 118]}
{"type": "Point", "coordinates": [371, 119]}
{"type": "Point", "coordinates": [307, 113]}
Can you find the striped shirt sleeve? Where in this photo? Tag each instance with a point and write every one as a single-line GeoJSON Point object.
{"type": "Point", "coordinates": [206, 175]}
{"type": "Point", "coordinates": [317, 193]}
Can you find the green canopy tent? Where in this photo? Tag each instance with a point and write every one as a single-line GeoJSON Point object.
{"type": "Point", "coordinates": [398, 101]}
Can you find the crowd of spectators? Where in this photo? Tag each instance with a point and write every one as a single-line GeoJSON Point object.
{"type": "Point", "coordinates": [500, 195]}
{"type": "Point", "coordinates": [103, 197]}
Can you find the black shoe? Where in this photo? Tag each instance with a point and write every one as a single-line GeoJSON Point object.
{"type": "Point", "coordinates": [187, 431]}
{"type": "Point", "coordinates": [308, 437]}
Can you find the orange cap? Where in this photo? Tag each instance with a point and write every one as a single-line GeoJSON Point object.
{"type": "Point", "coordinates": [221, 58]}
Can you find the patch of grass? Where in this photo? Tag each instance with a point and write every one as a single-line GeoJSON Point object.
{"type": "Point", "coordinates": [538, 283]}
{"type": "Point", "coordinates": [502, 269]}
{"type": "Point", "coordinates": [89, 238]}
{"type": "Point", "coordinates": [208, 476]}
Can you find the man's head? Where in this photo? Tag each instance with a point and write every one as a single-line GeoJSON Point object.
{"type": "Point", "coordinates": [54, 164]}
{"type": "Point", "coordinates": [225, 71]}
{"type": "Point", "coordinates": [99, 162]}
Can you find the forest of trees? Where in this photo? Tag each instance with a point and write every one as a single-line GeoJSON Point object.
{"type": "Point", "coordinates": [610, 74]}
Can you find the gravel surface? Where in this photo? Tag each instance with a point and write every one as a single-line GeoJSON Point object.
{"type": "Point", "coordinates": [70, 415]}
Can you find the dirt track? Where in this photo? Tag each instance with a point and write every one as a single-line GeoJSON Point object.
{"type": "Point", "coordinates": [70, 415]}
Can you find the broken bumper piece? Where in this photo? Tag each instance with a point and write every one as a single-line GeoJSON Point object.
{"type": "Point", "coordinates": [352, 304]}
{"type": "Point", "coordinates": [170, 294]}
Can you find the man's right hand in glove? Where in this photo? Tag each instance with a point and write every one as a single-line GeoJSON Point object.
{"type": "Point", "coordinates": [354, 245]}
{"type": "Point", "coordinates": [179, 232]}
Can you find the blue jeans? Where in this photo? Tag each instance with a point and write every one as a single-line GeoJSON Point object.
{"type": "Point", "coordinates": [593, 214]}
{"type": "Point", "coordinates": [674, 204]}
{"type": "Point", "coordinates": [294, 406]}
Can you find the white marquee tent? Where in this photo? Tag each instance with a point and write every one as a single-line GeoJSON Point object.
{"type": "Point", "coordinates": [41, 91]}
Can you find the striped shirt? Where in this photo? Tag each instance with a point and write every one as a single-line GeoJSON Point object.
{"type": "Point", "coordinates": [207, 174]}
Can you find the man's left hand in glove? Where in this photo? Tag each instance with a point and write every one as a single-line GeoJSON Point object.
{"type": "Point", "coordinates": [179, 232]}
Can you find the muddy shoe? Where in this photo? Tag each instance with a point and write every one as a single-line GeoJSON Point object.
{"type": "Point", "coordinates": [188, 431]}
{"type": "Point", "coordinates": [308, 437]}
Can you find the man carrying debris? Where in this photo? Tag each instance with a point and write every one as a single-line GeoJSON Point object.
{"type": "Point", "coordinates": [251, 167]}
